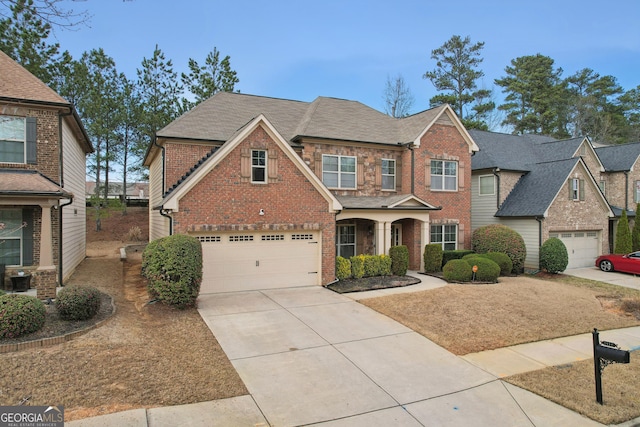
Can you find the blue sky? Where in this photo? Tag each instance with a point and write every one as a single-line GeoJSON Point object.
{"type": "Point", "coordinates": [346, 49]}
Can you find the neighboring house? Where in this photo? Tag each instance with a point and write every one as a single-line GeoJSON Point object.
{"type": "Point", "coordinates": [542, 188]}
{"type": "Point", "coordinates": [620, 180]}
{"type": "Point", "coordinates": [43, 149]}
{"type": "Point", "coordinates": [275, 189]}
{"type": "Point", "coordinates": [137, 192]}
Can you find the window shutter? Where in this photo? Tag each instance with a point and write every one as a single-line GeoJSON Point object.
{"type": "Point", "coordinates": [360, 172]}
{"type": "Point", "coordinates": [460, 175]}
{"type": "Point", "coordinates": [570, 186]}
{"type": "Point", "coordinates": [460, 236]}
{"type": "Point", "coordinates": [27, 237]}
{"type": "Point", "coordinates": [427, 172]}
{"type": "Point", "coordinates": [399, 175]}
{"type": "Point", "coordinates": [581, 190]}
{"type": "Point", "coordinates": [378, 174]}
{"type": "Point", "coordinates": [317, 157]}
{"type": "Point", "coordinates": [245, 165]}
{"type": "Point", "coordinates": [32, 150]}
{"type": "Point", "coordinates": [272, 166]}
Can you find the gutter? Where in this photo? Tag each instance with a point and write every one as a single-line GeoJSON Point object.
{"type": "Point", "coordinates": [539, 219]}
{"type": "Point", "coordinates": [626, 190]}
{"type": "Point", "coordinates": [165, 213]}
{"type": "Point", "coordinates": [60, 273]}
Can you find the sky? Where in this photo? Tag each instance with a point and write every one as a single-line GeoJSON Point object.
{"type": "Point", "coordinates": [347, 49]}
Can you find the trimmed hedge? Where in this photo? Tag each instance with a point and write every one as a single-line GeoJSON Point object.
{"type": "Point", "coordinates": [457, 270]}
{"type": "Point", "coordinates": [343, 268]}
{"type": "Point", "coordinates": [455, 254]}
{"type": "Point", "coordinates": [432, 258]}
{"type": "Point", "coordinates": [371, 265]}
{"type": "Point", "coordinates": [500, 238]}
{"type": "Point", "coordinates": [20, 315]}
{"type": "Point", "coordinates": [385, 265]}
{"type": "Point", "coordinates": [488, 271]}
{"type": "Point", "coordinates": [502, 260]}
{"type": "Point", "coordinates": [553, 256]}
{"type": "Point", "coordinates": [173, 266]}
{"type": "Point", "coordinates": [357, 266]}
{"type": "Point", "coordinates": [399, 260]}
{"type": "Point", "coordinates": [78, 302]}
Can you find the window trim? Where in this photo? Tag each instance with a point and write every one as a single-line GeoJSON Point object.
{"type": "Point", "coordinates": [339, 172]}
{"type": "Point", "coordinates": [443, 232]}
{"type": "Point", "coordinates": [355, 238]}
{"type": "Point", "coordinates": [24, 140]}
{"type": "Point", "coordinates": [435, 178]}
{"type": "Point", "coordinates": [255, 167]}
{"type": "Point", "coordinates": [493, 182]}
{"type": "Point", "coordinates": [393, 175]}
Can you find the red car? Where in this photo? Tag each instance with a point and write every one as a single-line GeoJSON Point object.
{"type": "Point", "coordinates": [629, 263]}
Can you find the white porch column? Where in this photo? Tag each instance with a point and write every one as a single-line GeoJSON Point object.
{"type": "Point", "coordinates": [380, 238]}
{"type": "Point", "coordinates": [46, 245]}
{"type": "Point", "coordinates": [424, 240]}
{"type": "Point", "coordinates": [387, 237]}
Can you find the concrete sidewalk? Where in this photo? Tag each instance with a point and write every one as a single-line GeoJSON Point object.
{"type": "Point", "coordinates": [621, 279]}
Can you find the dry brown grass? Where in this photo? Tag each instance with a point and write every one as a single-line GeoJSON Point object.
{"type": "Point", "coordinates": [471, 318]}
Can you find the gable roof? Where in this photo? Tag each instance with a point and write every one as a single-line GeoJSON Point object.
{"type": "Point", "coordinates": [219, 117]}
{"type": "Point", "coordinates": [18, 83]}
{"type": "Point", "coordinates": [619, 158]}
{"type": "Point", "coordinates": [29, 183]}
{"type": "Point", "coordinates": [171, 200]}
{"type": "Point", "coordinates": [399, 201]}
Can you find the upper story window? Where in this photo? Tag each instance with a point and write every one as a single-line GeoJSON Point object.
{"type": "Point", "coordinates": [339, 171]}
{"type": "Point", "coordinates": [258, 166]}
{"type": "Point", "coordinates": [13, 132]}
{"type": "Point", "coordinates": [444, 175]}
{"type": "Point", "coordinates": [576, 189]}
{"type": "Point", "coordinates": [388, 174]}
{"type": "Point", "coordinates": [487, 185]}
{"type": "Point", "coordinates": [636, 192]}
{"type": "Point", "coordinates": [603, 186]}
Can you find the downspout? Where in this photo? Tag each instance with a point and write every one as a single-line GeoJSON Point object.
{"type": "Point", "coordinates": [497, 175]}
{"type": "Point", "coordinates": [165, 214]}
{"type": "Point", "coordinates": [413, 168]}
{"type": "Point", "coordinates": [626, 190]}
{"type": "Point", "coordinates": [539, 219]}
{"type": "Point", "coordinates": [163, 211]}
{"type": "Point", "coordinates": [60, 275]}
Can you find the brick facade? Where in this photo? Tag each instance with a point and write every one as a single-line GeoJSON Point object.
{"type": "Point", "coordinates": [180, 157]}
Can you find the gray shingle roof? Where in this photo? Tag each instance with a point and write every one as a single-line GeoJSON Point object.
{"type": "Point", "coordinates": [505, 151]}
{"type": "Point", "coordinates": [619, 158]}
{"type": "Point", "coordinates": [219, 117]}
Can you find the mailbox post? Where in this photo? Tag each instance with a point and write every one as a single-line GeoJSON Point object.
{"type": "Point", "coordinates": [604, 354]}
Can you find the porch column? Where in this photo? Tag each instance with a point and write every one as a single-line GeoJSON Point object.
{"type": "Point", "coordinates": [45, 277]}
{"type": "Point", "coordinates": [46, 246]}
{"type": "Point", "coordinates": [424, 240]}
{"type": "Point", "coordinates": [387, 237]}
{"type": "Point", "coordinates": [380, 247]}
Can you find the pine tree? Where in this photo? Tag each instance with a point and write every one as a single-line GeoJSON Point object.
{"type": "Point", "coordinates": [635, 234]}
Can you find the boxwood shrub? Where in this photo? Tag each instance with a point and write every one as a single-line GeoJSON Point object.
{"type": "Point", "coordinates": [488, 271]}
{"type": "Point", "coordinates": [433, 258]}
{"type": "Point", "coordinates": [455, 254]}
{"type": "Point", "coordinates": [553, 256]}
{"type": "Point", "coordinates": [500, 238]}
{"type": "Point", "coordinates": [357, 266]}
{"type": "Point", "coordinates": [457, 270]}
{"type": "Point", "coordinates": [78, 302]}
{"type": "Point", "coordinates": [399, 259]}
{"type": "Point", "coordinates": [371, 265]}
{"type": "Point", "coordinates": [173, 267]}
{"type": "Point", "coordinates": [343, 268]}
{"type": "Point", "coordinates": [385, 265]}
{"type": "Point", "coordinates": [502, 260]}
{"type": "Point", "coordinates": [20, 315]}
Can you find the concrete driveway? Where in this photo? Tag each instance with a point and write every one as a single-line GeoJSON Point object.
{"type": "Point", "coordinates": [613, 277]}
{"type": "Point", "coordinates": [309, 356]}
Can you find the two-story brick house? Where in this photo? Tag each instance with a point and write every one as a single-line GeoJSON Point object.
{"type": "Point", "coordinates": [43, 149]}
{"type": "Point", "coordinates": [275, 188]}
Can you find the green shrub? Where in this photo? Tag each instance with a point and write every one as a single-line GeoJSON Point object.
{"type": "Point", "coordinates": [385, 265]}
{"type": "Point", "coordinates": [457, 270]}
{"type": "Point", "coordinates": [2, 292]}
{"type": "Point", "coordinates": [343, 268]}
{"type": "Point", "coordinates": [78, 302]}
{"type": "Point", "coordinates": [173, 267]}
{"type": "Point", "coordinates": [357, 266]}
{"type": "Point", "coordinates": [623, 243]}
{"type": "Point", "coordinates": [433, 258]}
{"type": "Point", "coordinates": [500, 238]}
{"type": "Point", "coordinates": [553, 256]}
{"type": "Point", "coordinates": [399, 259]}
{"type": "Point", "coordinates": [455, 254]}
{"type": "Point", "coordinates": [502, 260]}
{"type": "Point", "coordinates": [488, 271]}
{"type": "Point", "coordinates": [20, 315]}
{"type": "Point", "coordinates": [371, 265]}
{"type": "Point", "coordinates": [635, 231]}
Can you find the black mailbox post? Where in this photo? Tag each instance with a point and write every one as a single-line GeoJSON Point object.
{"type": "Point", "coordinates": [604, 354]}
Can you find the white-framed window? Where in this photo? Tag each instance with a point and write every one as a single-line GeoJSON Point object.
{"type": "Point", "coordinates": [346, 240]}
{"type": "Point", "coordinates": [11, 226]}
{"type": "Point", "coordinates": [339, 171]}
{"type": "Point", "coordinates": [13, 134]}
{"type": "Point", "coordinates": [603, 186]}
{"type": "Point", "coordinates": [444, 175]}
{"type": "Point", "coordinates": [259, 166]}
{"type": "Point", "coordinates": [636, 193]}
{"type": "Point", "coordinates": [446, 235]}
{"type": "Point", "coordinates": [396, 234]}
{"type": "Point", "coordinates": [487, 184]}
{"type": "Point", "coordinates": [388, 174]}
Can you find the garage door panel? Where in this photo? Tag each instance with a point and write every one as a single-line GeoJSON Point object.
{"type": "Point", "coordinates": [583, 247]}
{"type": "Point", "coordinates": [237, 262]}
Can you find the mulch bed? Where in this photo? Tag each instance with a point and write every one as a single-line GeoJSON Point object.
{"type": "Point", "coordinates": [372, 283]}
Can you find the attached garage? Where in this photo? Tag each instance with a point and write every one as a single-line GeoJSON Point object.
{"type": "Point", "coordinates": [245, 261]}
{"type": "Point", "coordinates": [583, 247]}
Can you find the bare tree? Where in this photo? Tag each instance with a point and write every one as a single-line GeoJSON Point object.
{"type": "Point", "coordinates": [51, 12]}
{"type": "Point", "coordinates": [398, 99]}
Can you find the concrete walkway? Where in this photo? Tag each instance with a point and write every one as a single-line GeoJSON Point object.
{"type": "Point", "coordinates": [613, 277]}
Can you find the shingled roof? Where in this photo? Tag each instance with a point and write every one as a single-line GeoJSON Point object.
{"type": "Point", "coordinates": [18, 83]}
{"type": "Point", "coordinates": [619, 158]}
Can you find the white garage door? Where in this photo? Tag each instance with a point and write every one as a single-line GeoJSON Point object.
{"type": "Point", "coordinates": [583, 247]}
{"type": "Point", "coordinates": [254, 260]}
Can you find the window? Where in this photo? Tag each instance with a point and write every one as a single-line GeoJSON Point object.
{"type": "Point", "coordinates": [444, 175]}
{"type": "Point", "coordinates": [576, 189]}
{"type": "Point", "coordinates": [636, 193]}
{"type": "Point", "coordinates": [12, 139]}
{"type": "Point", "coordinates": [346, 241]}
{"type": "Point", "coordinates": [603, 187]}
{"type": "Point", "coordinates": [258, 166]}
{"type": "Point", "coordinates": [339, 171]}
{"type": "Point", "coordinates": [487, 185]}
{"type": "Point", "coordinates": [446, 235]}
{"type": "Point", "coordinates": [388, 174]}
{"type": "Point", "coordinates": [11, 226]}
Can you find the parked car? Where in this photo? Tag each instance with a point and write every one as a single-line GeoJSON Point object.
{"type": "Point", "coordinates": [629, 263]}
